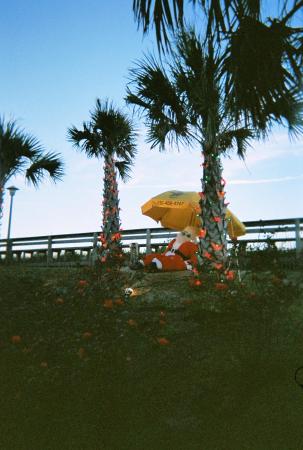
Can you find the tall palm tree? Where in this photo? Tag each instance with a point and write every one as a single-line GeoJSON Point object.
{"type": "Point", "coordinates": [109, 135]}
{"type": "Point", "coordinates": [186, 100]}
{"type": "Point", "coordinates": [22, 153]}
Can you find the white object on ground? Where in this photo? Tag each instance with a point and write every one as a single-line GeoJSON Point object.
{"type": "Point", "coordinates": [128, 291]}
{"type": "Point", "coordinates": [188, 266]}
{"type": "Point", "coordinates": [158, 263]}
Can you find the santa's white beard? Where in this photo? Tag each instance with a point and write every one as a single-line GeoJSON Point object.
{"type": "Point", "coordinates": [180, 239]}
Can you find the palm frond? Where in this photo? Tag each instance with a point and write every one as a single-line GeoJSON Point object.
{"type": "Point", "coordinates": [31, 147]}
{"type": "Point", "coordinates": [287, 15]}
{"type": "Point", "coordinates": [157, 96]}
{"type": "Point", "coordinates": [135, 100]}
{"type": "Point", "coordinates": [11, 160]}
{"type": "Point", "coordinates": [153, 87]}
{"type": "Point", "coordinates": [167, 16]}
{"type": "Point", "coordinates": [109, 131]}
{"type": "Point", "coordinates": [247, 8]}
{"type": "Point", "coordinates": [163, 14]}
{"type": "Point", "coordinates": [85, 140]}
{"type": "Point", "coordinates": [289, 111]}
{"type": "Point", "coordinates": [159, 132]}
{"type": "Point", "coordinates": [197, 74]}
{"type": "Point", "coordinates": [49, 164]}
{"type": "Point", "coordinates": [124, 169]}
{"type": "Point", "coordinates": [238, 139]}
{"type": "Point", "coordinates": [18, 149]}
{"type": "Point", "coordinates": [116, 131]}
{"type": "Point", "coordinates": [263, 66]}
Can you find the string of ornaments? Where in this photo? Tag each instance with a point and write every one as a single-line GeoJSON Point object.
{"type": "Point", "coordinates": [110, 238]}
{"type": "Point", "coordinates": [212, 254]}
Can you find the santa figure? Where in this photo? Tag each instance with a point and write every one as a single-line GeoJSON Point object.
{"type": "Point", "coordinates": [180, 253]}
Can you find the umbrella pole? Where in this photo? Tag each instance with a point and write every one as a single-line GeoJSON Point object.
{"type": "Point", "coordinates": [237, 263]}
{"type": "Point", "coordinates": [234, 256]}
{"type": "Point", "coordinates": [238, 270]}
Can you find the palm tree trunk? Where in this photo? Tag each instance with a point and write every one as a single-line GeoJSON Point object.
{"type": "Point", "coordinates": [110, 237]}
{"type": "Point", "coordinates": [213, 241]}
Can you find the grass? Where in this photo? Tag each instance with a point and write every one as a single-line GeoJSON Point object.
{"type": "Point", "coordinates": [172, 368]}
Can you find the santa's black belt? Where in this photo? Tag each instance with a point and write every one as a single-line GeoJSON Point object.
{"type": "Point", "coordinates": [177, 252]}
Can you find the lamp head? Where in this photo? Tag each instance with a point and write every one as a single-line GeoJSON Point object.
{"type": "Point", "coordinates": [12, 190]}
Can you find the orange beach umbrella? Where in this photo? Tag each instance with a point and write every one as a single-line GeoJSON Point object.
{"type": "Point", "coordinates": [178, 209]}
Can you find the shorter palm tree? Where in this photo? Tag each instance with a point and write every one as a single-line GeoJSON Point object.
{"type": "Point", "coordinates": [109, 135]}
{"type": "Point", "coordinates": [22, 153]}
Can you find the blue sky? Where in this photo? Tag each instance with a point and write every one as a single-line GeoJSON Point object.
{"type": "Point", "coordinates": [57, 57]}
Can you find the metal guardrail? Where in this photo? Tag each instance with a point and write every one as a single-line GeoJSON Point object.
{"type": "Point", "coordinates": [85, 244]}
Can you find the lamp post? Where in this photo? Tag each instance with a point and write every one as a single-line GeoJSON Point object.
{"type": "Point", "coordinates": [12, 191]}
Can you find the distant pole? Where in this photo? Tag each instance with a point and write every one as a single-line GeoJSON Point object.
{"type": "Point", "coordinates": [12, 191]}
{"type": "Point", "coordinates": [298, 238]}
{"type": "Point", "coordinates": [148, 241]}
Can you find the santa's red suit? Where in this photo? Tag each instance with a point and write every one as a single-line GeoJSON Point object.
{"type": "Point", "coordinates": [180, 254]}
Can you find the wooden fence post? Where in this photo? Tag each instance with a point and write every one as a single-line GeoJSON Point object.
{"type": "Point", "coordinates": [134, 253]}
{"type": "Point", "coordinates": [95, 240]}
{"type": "Point", "coordinates": [92, 255]}
{"type": "Point", "coordinates": [49, 250]}
{"type": "Point", "coordinates": [9, 250]}
{"type": "Point", "coordinates": [298, 239]}
{"type": "Point", "coordinates": [148, 241]}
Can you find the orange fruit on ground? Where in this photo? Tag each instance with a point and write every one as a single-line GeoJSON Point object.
{"type": "Point", "coordinates": [187, 302]}
{"type": "Point", "coordinates": [221, 286]}
{"type": "Point", "coordinates": [132, 323]}
{"type": "Point", "coordinates": [119, 301]}
{"type": "Point", "coordinates": [87, 335]}
{"type": "Point", "coordinates": [81, 353]}
{"type": "Point", "coordinates": [276, 280]}
{"type": "Point", "coordinates": [59, 301]}
{"type": "Point", "coordinates": [163, 341]}
{"type": "Point", "coordinates": [16, 339]}
{"type": "Point", "coordinates": [108, 304]}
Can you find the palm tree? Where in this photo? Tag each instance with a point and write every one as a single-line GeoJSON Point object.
{"type": "Point", "coordinates": [109, 135]}
{"type": "Point", "coordinates": [187, 101]}
{"type": "Point", "coordinates": [221, 16]}
{"type": "Point", "coordinates": [22, 153]}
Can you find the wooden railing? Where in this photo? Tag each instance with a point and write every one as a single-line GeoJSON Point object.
{"type": "Point", "coordinates": [84, 245]}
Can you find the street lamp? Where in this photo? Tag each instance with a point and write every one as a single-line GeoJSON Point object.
{"type": "Point", "coordinates": [12, 191]}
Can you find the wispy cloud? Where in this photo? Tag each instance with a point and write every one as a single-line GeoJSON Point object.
{"type": "Point", "coordinates": [194, 185]}
{"type": "Point", "coordinates": [266, 180]}
{"type": "Point", "coordinates": [157, 185]}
